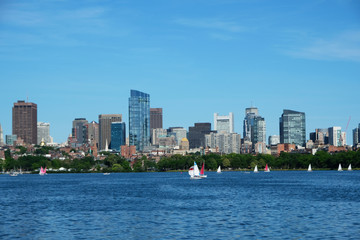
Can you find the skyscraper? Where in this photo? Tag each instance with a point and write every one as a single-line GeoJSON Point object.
{"type": "Point", "coordinates": [79, 130]}
{"type": "Point", "coordinates": [250, 114]}
{"type": "Point", "coordinates": [24, 121]}
{"type": "Point", "coordinates": [43, 132]}
{"type": "Point", "coordinates": [258, 130]}
{"type": "Point", "coordinates": [118, 135]}
{"type": "Point", "coordinates": [156, 118]}
{"type": "Point", "coordinates": [93, 134]}
{"type": "Point", "coordinates": [335, 136]}
{"type": "Point", "coordinates": [356, 136]}
{"type": "Point", "coordinates": [139, 119]}
{"type": "Point", "coordinates": [292, 127]}
{"type": "Point", "coordinates": [1, 136]}
{"type": "Point", "coordinates": [105, 121]}
{"type": "Point", "coordinates": [224, 123]}
{"type": "Point", "coordinates": [197, 133]}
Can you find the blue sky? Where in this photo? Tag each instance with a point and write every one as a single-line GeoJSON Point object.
{"type": "Point", "coordinates": [194, 57]}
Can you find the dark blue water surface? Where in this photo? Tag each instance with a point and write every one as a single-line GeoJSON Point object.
{"type": "Point", "coordinates": [231, 205]}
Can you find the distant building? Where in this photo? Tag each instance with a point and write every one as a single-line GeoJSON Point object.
{"type": "Point", "coordinates": [224, 123]}
{"type": "Point", "coordinates": [156, 134]}
{"type": "Point", "coordinates": [336, 137]}
{"type": "Point", "coordinates": [178, 132]}
{"type": "Point", "coordinates": [93, 134]}
{"type": "Point", "coordinates": [24, 121]}
{"type": "Point", "coordinates": [260, 148]}
{"type": "Point", "coordinates": [105, 121]}
{"type": "Point", "coordinates": [184, 144]}
{"type": "Point", "coordinates": [250, 114]}
{"type": "Point", "coordinates": [156, 118]}
{"type": "Point", "coordinates": [224, 142]}
{"type": "Point", "coordinates": [128, 151]}
{"type": "Point", "coordinates": [43, 132]}
{"type": "Point", "coordinates": [274, 140]}
{"type": "Point", "coordinates": [258, 130]}
{"type": "Point", "coordinates": [1, 136]}
{"type": "Point", "coordinates": [10, 139]}
{"type": "Point", "coordinates": [80, 131]}
{"type": "Point", "coordinates": [197, 133]}
{"type": "Point", "coordinates": [139, 119]}
{"type": "Point", "coordinates": [320, 136]}
{"type": "Point", "coordinates": [292, 128]}
{"type": "Point", "coordinates": [118, 135]}
{"type": "Point", "coordinates": [356, 136]}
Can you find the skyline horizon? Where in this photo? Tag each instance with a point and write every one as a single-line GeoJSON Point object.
{"type": "Point", "coordinates": [211, 122]}
{"type": "Point", "coordinates": [195, 58]}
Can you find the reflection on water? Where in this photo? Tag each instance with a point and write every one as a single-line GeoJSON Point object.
{"type": "Point", "coordinates": [275, 205]}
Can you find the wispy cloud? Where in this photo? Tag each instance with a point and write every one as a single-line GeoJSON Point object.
{"type": "Point", "coordinates": [214, 24]}
{"type": "Point", "coordinates": [344, 46]}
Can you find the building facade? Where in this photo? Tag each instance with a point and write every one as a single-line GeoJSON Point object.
{"type": "Point", "coordinates": [1, 136]}
{"type": "Point", "coordinates": [24, 121]}
{"type": "Point", "coordinates": [356, 136]}
{"type": "Point", "coordinates": [336, 137]}
{"type": "Point", "coordinates": [320, 136]}
{"type": "Point", "coordinates": [292, 128]}
{"type": "Point", "coordinates": [105, 121]}
{"type": "Point", "coordinates": [224, 123]}
{"type": "Point", "coordinates": [10, 139]}
{"type": "Point", "coordinates": [156, 134]}
{"type": "Point", "coordinates": [179, 132]}
{"type": "Point", "coordinates": [139, 119]}
{"type": "Point", "coordinates": [225, 142]}
{"type": "Point", "coordinates": [156, 118]}
{"type": "Point", "coordinates": [80, 131]}
{"type": "Point", "coordinates": [274, 140]}
{"type": "Point", "coordinates": [43, 132]}
{"type": "Point", "coordinates": [93, 134]}
{"type": "Point", "coordinates": [118, 135]}
{"type": "Point", "coordinates": [250, 114]}
{"type": "Point", "coordinates": [258, 130]}
{"type": "Point", "coordinates": [196, 135]}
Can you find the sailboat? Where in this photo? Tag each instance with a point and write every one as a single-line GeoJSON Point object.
{"type": "Point", "coordinates": [339, 168]}
{"type": "Point", "coordinates": [194, 172]}
{"type": "Point", "coordinates": [202, 175]}
{"type": "Point", "coordinates": [42, 171]}
{"type": "Point", "coordinates": [309, 168]}
{"type": "Point", "coordinates": [218, 170]}
{"type": "Point", "coordinates": [256, 169]}
{"type": "Point", "coordinates": [349, 168]}
{"type": "Point", "coordinates": [267, 169]}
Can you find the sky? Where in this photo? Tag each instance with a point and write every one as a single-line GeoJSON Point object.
{"type": "Point", "coordinates": [194, 57]}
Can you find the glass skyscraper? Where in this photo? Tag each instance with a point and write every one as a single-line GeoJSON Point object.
{"type": "Point", "coordinates": [139, 119]}
{"type": "Point", "coordinates": [292, 128]}
{"type": "Point", "coordinates": [118, 135]}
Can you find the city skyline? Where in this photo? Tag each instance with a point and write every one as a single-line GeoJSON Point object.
{"type": "Point", "coordinates": [79, 60]}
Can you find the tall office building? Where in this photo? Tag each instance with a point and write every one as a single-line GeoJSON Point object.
{"type": "Point", "coordinates": [24, 121]}
{"type": "Point", "coordinates": [258, 130]}
{"type": "Point", "coordinates": [197, 133]}
{"type": "Point", "coordinates": [250, 114]}
{"type": "Point", "coordinates": [156, 118]}
{"type": "Point", "coordinates": [80, 131]}
{"type": "Point", "coordinates": [336, 137]}
{"type": "Point", "coordinates": [105, 121]}
{"type": "Point", "coordinates": [225, 142]}
{"type": "Point", "coordinates": [93, 134]}
{"type": "Point", "coordinates": [224, 123]}
{"type": "Point", "coordinates": [43, 132]}
{"type": "Point", "coordinates": [292, 127]}
{"type": "Point", "coordinates": [1, 136]}
{"type": "Point", "coordinates": [139, 119]}
{"type": "Point", "coordinates": [118, 135]}
{"type": "Point", "coordinates": [356, 136]}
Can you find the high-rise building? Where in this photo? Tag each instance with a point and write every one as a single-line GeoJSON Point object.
{"type": "Point", "coordinates": [197, 133]}
{"type": "Point", "coordinates": [274, 140]}
{"type": "Point", "coordinates": [292, 128]}
{"type": "Point", "coordinates": [258, 130]}
{"type": "Point", "coordinates": [225, 142]}
{"type": "Point", "coordinates": [10, 139]}
{"type": "Point", "coordinates": [320, 136]}
{"type": "Point", "coordinates": [224, 123]}
{"type": "Point", "coordinates": [80, 131]}
{"type": "Point", "coordinates": [93, 134]}
{"type": "Point", "coordinates": [179, 132]}
{"type": "Point", "coordinates": [24, 121]}
{"type": "Point", "coordinates": [118, 135]}
{"type": "Point", "coordinates": [43, 132]}
{"type": "Point", "coordinates": [156, 118]}
{"type": "Point", "coordinates": [356, 136]}
{"type": "Point", "coordinates": [105, 121]}
{"type": "Point", "coordinates": [336, 137]}
{"type": "Point", "coordinates": [139, 119]}
{"type": "Point", "coordinates": [1, 136]}
{"type": "Point", "coordinates": [250, 114]}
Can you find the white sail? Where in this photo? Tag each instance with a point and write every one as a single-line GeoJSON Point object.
{"type": "Point", "coordinates": [349, 168]}
{"type": "Point", "coordinates": [256, 169]}
{"type": "Point", "coordinates": [339, 168]}
{"type": "Point", "coordinates": [196, 170]}
{"type": "Point", "coordinates": [191, 171]}
{"type": "Point", "coordinates": [309, 168]}
{"type": "Point", "coordinates": [219, 170]}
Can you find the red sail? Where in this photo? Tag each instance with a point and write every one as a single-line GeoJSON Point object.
{"type": "Point", "coordinates": [202, 169]}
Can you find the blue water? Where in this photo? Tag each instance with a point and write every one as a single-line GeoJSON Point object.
{"type": "Point", "coordinates": [231, 205]}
